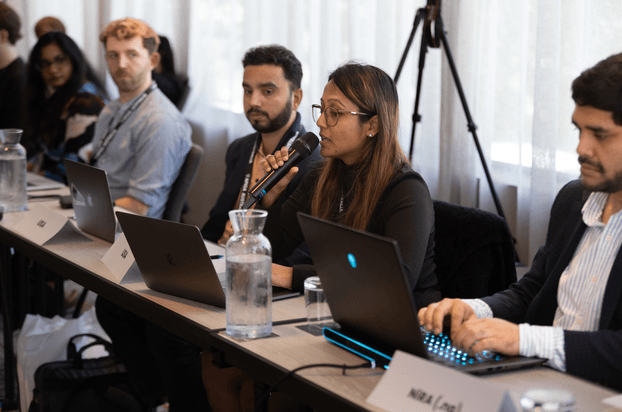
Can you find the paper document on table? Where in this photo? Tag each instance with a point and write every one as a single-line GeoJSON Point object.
{"type": "Point", "coordinates": [415, 384]}
{"type": "Point", "coordinates": [119, 258]}
{"type": "Point", "coordinates": [615, 401]}
{"type": "Point", "coordinates": [40, 224]}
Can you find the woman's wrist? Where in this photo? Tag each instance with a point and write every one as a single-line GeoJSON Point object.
{"type": "Point", "coordinates": [282, 276]}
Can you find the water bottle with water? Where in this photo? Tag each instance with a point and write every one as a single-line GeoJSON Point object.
{"type": "Point", "coordinates": [249, 276]}
{"type": "Point", "coordinates": [13, 197]}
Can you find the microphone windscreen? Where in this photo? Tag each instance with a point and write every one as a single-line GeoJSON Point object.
{"type": "Point", "coordinates": [306, 144]}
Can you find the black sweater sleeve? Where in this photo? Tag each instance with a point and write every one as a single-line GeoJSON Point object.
{"type": "Point", "coordinates": [404, 213]}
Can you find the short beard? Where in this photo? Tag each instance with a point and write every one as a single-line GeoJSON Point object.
{"type": "Point", "coordinates": [275, 124]}
{"type": "Point", "coordinates": [608, 186]}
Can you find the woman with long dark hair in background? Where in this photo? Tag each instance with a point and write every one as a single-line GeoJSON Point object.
{"type": "Point", "coordinates": [61, 105]}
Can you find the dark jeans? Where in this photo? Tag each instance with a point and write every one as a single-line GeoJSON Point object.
{"type": "Point", "coordinates": [158, 362]}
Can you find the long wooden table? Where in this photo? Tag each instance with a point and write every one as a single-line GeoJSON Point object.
{"type": "Point", "coordinates": [78, 257]}
{"type": "Point", "coordinates": [331, 389]}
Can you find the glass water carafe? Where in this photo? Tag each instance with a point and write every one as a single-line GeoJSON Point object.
{"type": "Point", "coordinates": [13, 197]}
{"type": "Point", "coordinates": [249, 276]}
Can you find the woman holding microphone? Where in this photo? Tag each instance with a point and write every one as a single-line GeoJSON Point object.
{"type": "Point", "coordinates": [364, 182]}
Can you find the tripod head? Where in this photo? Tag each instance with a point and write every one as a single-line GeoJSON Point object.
{"type": "Point", "coordinates": [432, 13]}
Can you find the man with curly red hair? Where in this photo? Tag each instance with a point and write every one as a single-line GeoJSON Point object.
{"type": "Point", "coordinates": [141, 141]}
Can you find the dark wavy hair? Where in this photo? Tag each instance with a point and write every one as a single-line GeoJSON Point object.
{"type": "Point", "coordinates": [276, 55]}
{"type": "Point", "coordinates": [42, 113]}
{"type": "Point", "coordinates": [601, 87]}
{"type": "Point", "coordinates": [374, 92]}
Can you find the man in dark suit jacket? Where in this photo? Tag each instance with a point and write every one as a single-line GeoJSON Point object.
{"type": "Point", "coordinates": [272, 94]}
{"type": "Point", "coordinates": [568, 308]}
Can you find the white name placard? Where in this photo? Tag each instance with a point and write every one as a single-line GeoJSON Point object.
{"type": "Point", "coordinates": [416, 384]}
{"type": "Point", "coordinates": [615, 401]}
{"type": "Point", "coordinates": [40, 224]}
{"type": "Point", "coordinates": [119, 258]}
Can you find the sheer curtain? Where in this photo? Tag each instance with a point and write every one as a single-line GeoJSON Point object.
{"type": "Point", "coordinates": [323, 34]}
{"type": "Point", "coordinates": [517, 61]}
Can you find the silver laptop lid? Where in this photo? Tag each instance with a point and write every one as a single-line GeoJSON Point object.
{"type": "Point", "coordinates": [92, 203]}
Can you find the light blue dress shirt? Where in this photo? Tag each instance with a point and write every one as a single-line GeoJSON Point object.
{"type": "Point", "coordinates": [145, 156]}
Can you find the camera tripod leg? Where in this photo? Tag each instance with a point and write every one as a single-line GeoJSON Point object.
{"type": "Point", "coordinates": [418, 16]}
{"type": "Point", "coordinates": [471, 125]}
{"type": "Point", "coordinates": [423, 51]}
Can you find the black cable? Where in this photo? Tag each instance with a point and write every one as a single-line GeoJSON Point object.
{"type": "Point", "coordinates": [278, 383]}
{"type": "Point", "coordinates": [43, 196]}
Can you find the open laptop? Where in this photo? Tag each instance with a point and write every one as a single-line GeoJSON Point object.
{"type": "Point", "coordinates": [173, 258]}
{"type": "Point", "coordinates": [369, 298]}
{"type": "Point", "coordinates": [35, 182]}
{"type": "Point", "coordinates": [92, 203]}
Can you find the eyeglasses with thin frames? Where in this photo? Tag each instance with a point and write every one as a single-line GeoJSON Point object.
{"type": "Point", "coordinates": [331, 114]}
{"type": "Point", "coordinates": [58, 61]}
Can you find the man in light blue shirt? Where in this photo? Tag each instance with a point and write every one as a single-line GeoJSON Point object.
{"type": "Point", "coordinates": [141, 140]}
{"type": "Point", "coordinates": [568, 308]}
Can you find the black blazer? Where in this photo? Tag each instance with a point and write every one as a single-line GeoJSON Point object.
{"type": "Point", "coordinates": [236, 160]}
{"type": "Point", "coordinates": [596, 356]}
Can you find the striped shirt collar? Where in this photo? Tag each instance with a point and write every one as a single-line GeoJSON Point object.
{"type": "Point", "coordinates": [593, 209]}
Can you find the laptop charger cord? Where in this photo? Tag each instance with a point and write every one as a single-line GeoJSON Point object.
{"type": "Point", "coordinates": [267, 392]}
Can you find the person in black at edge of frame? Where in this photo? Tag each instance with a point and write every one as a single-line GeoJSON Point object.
{"type": "Point", "coordinates": [12, 69]}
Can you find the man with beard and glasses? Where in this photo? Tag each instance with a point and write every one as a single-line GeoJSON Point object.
{"type": "Point", "coordinates": [141, 140]}
{"type": "Point", "coordinates": [272, 94]}
{"type": "Point", "coordinates": [568, 308]}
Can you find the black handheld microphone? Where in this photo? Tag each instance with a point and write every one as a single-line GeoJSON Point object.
{"type": "Point", "coordinates": [301, 149]}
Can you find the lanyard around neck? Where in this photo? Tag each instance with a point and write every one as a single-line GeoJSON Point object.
{"type": "Point", "coordinates": [112, 131]}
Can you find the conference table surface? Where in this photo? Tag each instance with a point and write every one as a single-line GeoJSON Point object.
{"type": "Point", "coordinates": [77, 256]}
{"type": "Point", "coordinates": [323, 388]}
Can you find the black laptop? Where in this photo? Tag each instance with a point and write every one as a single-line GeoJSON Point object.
{"type": "Point", "coordinates": [91, 199]}
{"type": "Point", "coordinates": [369, 298]}
{"type": "Point", "coordinates": [173, 258]}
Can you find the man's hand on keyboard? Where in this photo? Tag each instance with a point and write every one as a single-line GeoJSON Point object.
{"type": "Point", "coordinates": [477, 335]}
{"type": "Point", "coordinates": [433, 316]}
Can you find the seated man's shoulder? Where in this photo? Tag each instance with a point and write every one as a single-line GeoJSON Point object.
{"type": "Point", "coordinates": [572, 191]}
{"type": "Point", "coordinates": [238, 147]}
{"type": "Point", "coordinates": [244, 141]}
{"type": "Point", "coordinates": [162, 107]}
{"type": "Point", "coordinates": [161, 116]}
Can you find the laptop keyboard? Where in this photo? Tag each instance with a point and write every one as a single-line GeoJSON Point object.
{"type": "Point", "coordinates": [441, 350]}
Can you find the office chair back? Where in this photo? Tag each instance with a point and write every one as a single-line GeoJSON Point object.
{"type": "Point", "coordinates": [474, 252]}
{"type": "Point", "coordinates": [181, 102]}
{"type": "Point", "coordinates": [183, 183]}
